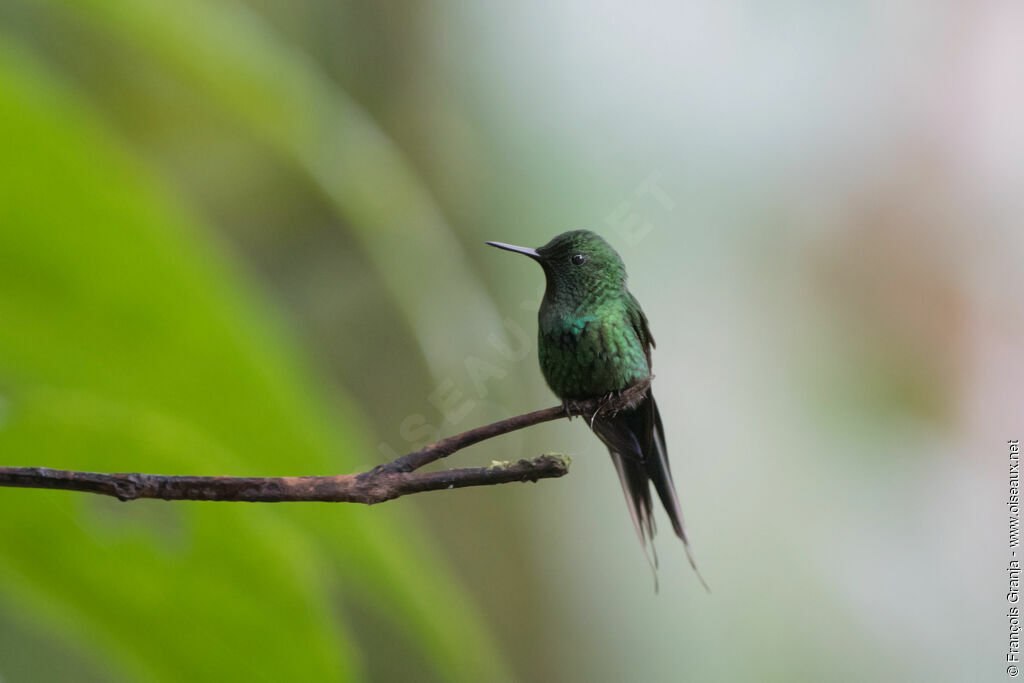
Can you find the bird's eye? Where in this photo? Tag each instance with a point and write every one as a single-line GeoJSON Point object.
{"type": "Point", "coordinates": [579, 259]}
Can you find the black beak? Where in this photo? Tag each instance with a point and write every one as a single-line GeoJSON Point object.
{"type": "Point", "coordinates": [532, 253]}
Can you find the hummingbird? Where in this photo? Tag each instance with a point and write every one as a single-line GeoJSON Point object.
{"type": "Point", "coordinates": [594, 341]}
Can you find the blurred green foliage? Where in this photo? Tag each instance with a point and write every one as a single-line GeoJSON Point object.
{"type": "Point", "coordinates": [130, 342]}
{"type": "Point", "coordinates": [233, 59]}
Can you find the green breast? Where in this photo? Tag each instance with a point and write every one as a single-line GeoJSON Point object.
{"type": "Point", "coordinates": [583, 356]}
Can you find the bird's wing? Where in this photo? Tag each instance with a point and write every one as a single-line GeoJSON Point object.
{"type": "Point", "coordinates": [640, 326]}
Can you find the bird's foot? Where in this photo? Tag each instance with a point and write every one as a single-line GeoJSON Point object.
{"type": "Point", "coordinates": [608, 398]}
{"type": "Point", "coordinates": [573, 408]}
{"type": "Point", "coordinates": [617, 397]}
{"type": "Point", "coordinates": [567, 406]}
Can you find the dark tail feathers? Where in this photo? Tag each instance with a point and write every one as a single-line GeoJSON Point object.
{"type": "Point", "coordinates": [636, 442]}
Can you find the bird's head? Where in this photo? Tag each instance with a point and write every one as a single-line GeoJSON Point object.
{"type": "Point", "coordinates": [577, 264]}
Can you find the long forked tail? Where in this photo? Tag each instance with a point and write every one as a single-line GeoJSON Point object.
{"type": "Point", "coordinates": [636, 442]}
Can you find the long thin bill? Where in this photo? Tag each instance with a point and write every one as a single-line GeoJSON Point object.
{"type": "Point", "coordinates": [532, 253]}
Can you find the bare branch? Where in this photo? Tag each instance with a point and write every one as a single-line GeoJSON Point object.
{"type": "Point", "coordinates": [384, 482]}
{"type": "Point", "coordinates": [375, 486]}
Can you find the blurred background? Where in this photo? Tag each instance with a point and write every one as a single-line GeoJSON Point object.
{"type": "Point", "coordinates": [246, 237]}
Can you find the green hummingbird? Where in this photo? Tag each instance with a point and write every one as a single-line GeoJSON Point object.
{"type": "Point", "coordinates": [593, 341]}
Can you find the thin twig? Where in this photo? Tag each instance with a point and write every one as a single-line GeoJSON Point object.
{"type": "Point", "coordinates": [384, 482]}
{"type": "Point", "coordinates": [445, 447]}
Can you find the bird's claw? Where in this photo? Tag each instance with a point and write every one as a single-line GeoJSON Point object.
{"type": "Point", "coordinates": [604, 403]}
